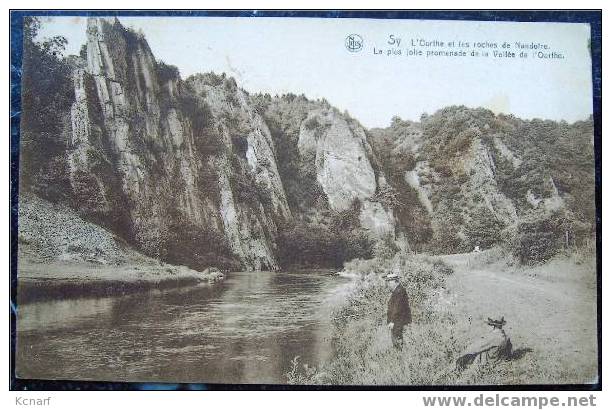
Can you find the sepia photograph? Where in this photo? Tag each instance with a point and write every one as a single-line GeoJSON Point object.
{"type": "Point", "coordinates": [300, 200]}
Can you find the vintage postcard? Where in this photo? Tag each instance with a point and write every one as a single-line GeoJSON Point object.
{"type": "Point", "coordinates": [306, 201]}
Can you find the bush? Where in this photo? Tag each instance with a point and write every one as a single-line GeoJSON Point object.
{"type": "Point", "coordinates": [312, 124]}
{"type": "Point", "coordinates": [47, 93]}
{"type": "Point", "coordinates": [484, 230]}
{"type": "Point", "coordinates": [364, 353]}
{"type": "Point", "coordinates": [536, 247]}
{"type": "Point", "coordinates": [198, 113]}
{"type": "Point", "coordinates": [541, 235]}
{"type": "Point", "coordinates": [311, 244]}
{"type": "Point", "coordinates": [386, 248]}
{"type": "Point", "coordinates": [167, 72]}
{"type": "Point", "coordinates": [239, 144]}
{"type": "Point", "coordinates": [196, 247]}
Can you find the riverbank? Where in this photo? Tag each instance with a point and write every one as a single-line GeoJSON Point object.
{"type": "Point", "coordinates": [61, 255]}
{"type": "Point", "coordinates": [62, 280]}
{"type": "Point", "coordinates": [550, 312]}
{"type": "Point", "coordinates": [364, 351]}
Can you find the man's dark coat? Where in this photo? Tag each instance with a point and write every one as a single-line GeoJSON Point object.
{"type": "Point", "coordinates": [399, 312]}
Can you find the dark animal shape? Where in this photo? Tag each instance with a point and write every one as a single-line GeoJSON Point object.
{"type": "Point", "coordinates": [496, 353]}
{"type": "Point", "coordinates": [520, 353]}
{"type": "Point", "coordinates": [466, 360]}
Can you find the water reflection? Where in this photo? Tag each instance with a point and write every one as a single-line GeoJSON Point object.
{"type": "Point", "coordinates": [246, 329]}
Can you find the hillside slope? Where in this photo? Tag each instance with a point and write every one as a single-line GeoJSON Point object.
{"type": "Point", "coordinates": [477, 179]}
{"type": "Point", "coordinates": [59, 253]}
{"type": "Point", "coordinates": [198, 172]}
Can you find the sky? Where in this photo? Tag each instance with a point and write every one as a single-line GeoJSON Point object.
{"type": "Point", "coordinates": [309, 56]}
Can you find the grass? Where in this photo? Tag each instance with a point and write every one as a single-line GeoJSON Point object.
{"type": "Point", "coordinates": [364, 352]}
{"type": "Point", "coordinates": [438, 335]}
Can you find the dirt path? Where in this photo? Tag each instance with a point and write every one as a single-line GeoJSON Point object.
{"type": "Point", "coordinates": [551, 310]}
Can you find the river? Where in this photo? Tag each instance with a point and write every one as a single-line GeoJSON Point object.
{"type": "Point", "coordinates": [246, 329]}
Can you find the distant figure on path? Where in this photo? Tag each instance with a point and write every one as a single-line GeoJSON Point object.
{"type": "Point", "coordinates": [399, 314]}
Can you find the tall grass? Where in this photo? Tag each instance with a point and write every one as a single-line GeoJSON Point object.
{"type": "Point", "coordinates": [364, 354]}
{"type": "Point", "coordinates": [364, 351]}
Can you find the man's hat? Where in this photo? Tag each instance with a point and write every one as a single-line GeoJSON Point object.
{"type": "Point", "coordinates": [497, 323]}
{"type": "Point", "coordinates": [391, 276]}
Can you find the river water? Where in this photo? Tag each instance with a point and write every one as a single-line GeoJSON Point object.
{"type": "Point", "coordinates": [246, 329]}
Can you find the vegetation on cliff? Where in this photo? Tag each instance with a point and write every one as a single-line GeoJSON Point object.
{"type": "Point", "coordinates": [494, 179]}
{"type": "Point", "coordinates": [199, 172]}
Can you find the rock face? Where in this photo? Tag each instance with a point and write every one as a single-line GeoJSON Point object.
{"type": "Point", "coordinates": [343, 159]}
{"type": "Point", "coordinates": [187, 170]}
{"type": "Point", "coordinates": [198, 172]}
{"type": "Point", "coordinates": [171, 156]}
{"type": "Point", "coordinates": [479, 176]}
{"type": "Point", "coordinates": [481, 168]}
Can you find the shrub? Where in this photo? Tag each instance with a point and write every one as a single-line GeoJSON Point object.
{"type": "Point", "coordinates": [364, 353]}
{"type": "Point", "coordinates": [198, 113]}
{"type": "Point", "coordinates": [484, 229]}
{"type": "Point", "coordinates": [312, 124]}
{"type": "Point", "coordinates": [47, 94]}
{"type": "Point", "coordinates": [209, 144]}
{"type": "Point", "coordinates": [541, 235]}
{"type": "Point", "coordinates": [167, 72]}
{"type": "Point", "coordinates": [386, 248]}
{"type": "Point", "coordinates": [196, 247]}
{"type": "Point", "coordinates": [312, 244]}
{"type": "Point", "coordinates": [536, 247]}
{"type": "Point", "coordinates": [239, 144]}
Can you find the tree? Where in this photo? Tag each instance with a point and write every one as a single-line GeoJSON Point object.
{"type": "Point", "coordinates": [485, 228]}
{"type": "Point", "coordinates": [47, 95]}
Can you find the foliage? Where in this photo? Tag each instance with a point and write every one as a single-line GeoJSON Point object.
{"type": "Point", "coordinates": [166, 72]}
{"type": "Point", "coordinates": [195, 246]}
{"type": "Point", "coordinates": [312, 123]}
{"type": "Point", "coordinates": [335, 239]}
{"type": "Point", "coordinates": [364, 352]}
{"type": "Point", "coordinates": [239, 144]}
{"type": "Point", "coordinates": [484, 228]}
{"type": "Point", "coordinates": [393, 149]}
{"type": "Point", "coordinates": [386, 248]}
{"type": "Point", "coordinates": [298, 174]}
{"type": "Point", "coordinates": [541, 158]}
{"type": "Point", "coordinates": [303, 244]}
{"type": "Point", "coordinates": [199, 113]}
{"type": "Point", "coordinates": [250, 192]}
{"type": "Point", "coordinates": [541, 235]}
{"type": "Point", "coordinates": [47, 94]}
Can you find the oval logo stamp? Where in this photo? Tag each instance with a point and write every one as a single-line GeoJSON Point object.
{"type": "Point", "coordinates": [354, 43]}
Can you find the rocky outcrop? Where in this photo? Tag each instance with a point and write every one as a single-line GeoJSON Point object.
{"type": "Point", "coordinates": [198, 172]}
{"type": "Point", "coordinates": [343, 157]}
{"type": "Point", "coordinates": [164, 154]}
{"type": "Point", "coordinates": [482, 187]}
{"type": "Point", "coordinates": [413, 179]}
{"type": "Point", "coordinates": [480, 175]}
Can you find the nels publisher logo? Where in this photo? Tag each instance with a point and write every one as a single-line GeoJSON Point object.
{"type": "Point", "coordinates": [354, 43]}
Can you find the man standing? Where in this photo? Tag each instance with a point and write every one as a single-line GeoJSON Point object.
{"type": "Point", "coordinates": [399, 314]}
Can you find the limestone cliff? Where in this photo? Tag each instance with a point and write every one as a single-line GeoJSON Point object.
{"type": "Point", "coordinates": [198, 172]}
{"type": "Point", "coordinates": [331, 158]}
{"type": "Point", "coordinates": [174, 158]}
{"type": "Point", "coordinates": [481, 177]}
{"type": "Point", "coordinates": [188, 170]}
